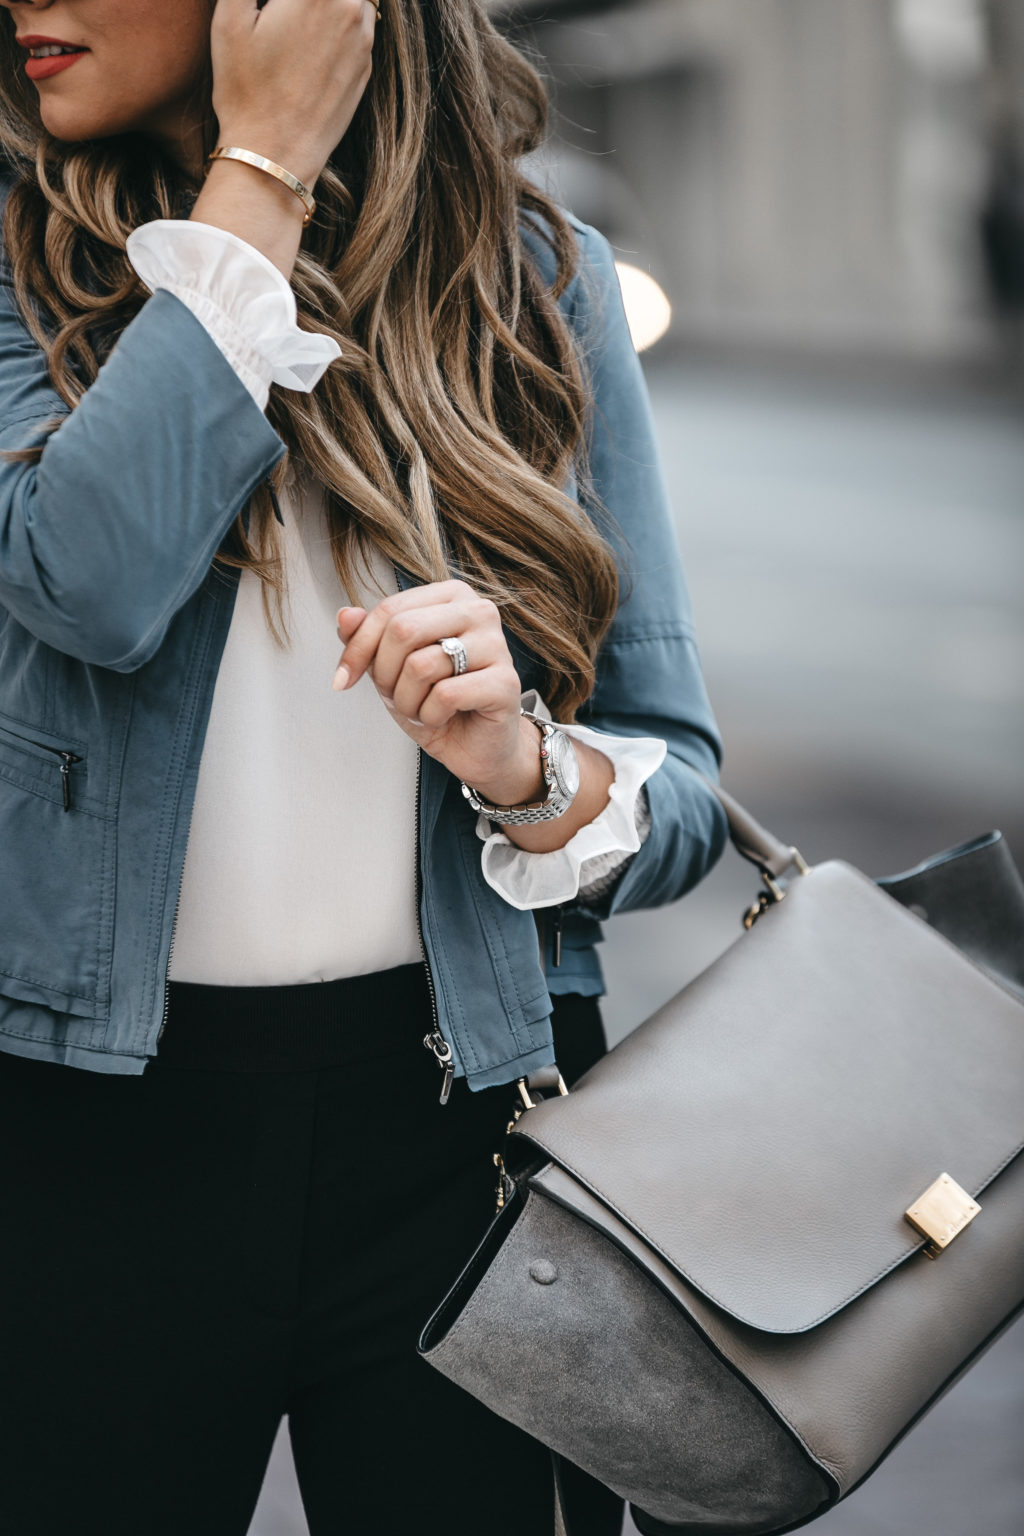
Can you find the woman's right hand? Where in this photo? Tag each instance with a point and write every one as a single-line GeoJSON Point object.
{"type": "Point", "coordinates": [287, 78]}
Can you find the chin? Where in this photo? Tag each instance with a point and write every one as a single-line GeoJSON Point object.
{"type": "Point", "coordinates": [64, 122]}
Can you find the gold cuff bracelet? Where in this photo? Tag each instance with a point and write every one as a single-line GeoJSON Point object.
{"type": "Point", "coordinates": [261, 163]}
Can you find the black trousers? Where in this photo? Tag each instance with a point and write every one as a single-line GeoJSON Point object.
{"type": "Point", "coordinates": [259, 1225]}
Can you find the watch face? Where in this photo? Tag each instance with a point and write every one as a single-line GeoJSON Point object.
{"type": "Point", "coordinates": [564, 764]}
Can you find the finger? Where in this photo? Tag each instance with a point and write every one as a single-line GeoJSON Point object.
{"type": "Point", "coordinates": [240, 16]}
{"type": "Point", "coordinates": [235, 11]}
{"type": "Point", "coordinates": [422, 670]}
{"type": "Point", "coordinates": [360, 651]}
{"type": "Point", "coordinates": [349, 620]}
{"type": "Point", "coordinates": [423, 628]}
{"type": "Point", "coordinates": [492, 693]}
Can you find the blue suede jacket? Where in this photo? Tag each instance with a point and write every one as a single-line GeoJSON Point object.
{"type": "Point", "coordinates": [112, 624]}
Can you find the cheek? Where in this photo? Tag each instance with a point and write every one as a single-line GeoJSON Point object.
{"type": "Point", "coordinates": [129, 97]}
{"type": "Point", "coordinates": [133, 76]}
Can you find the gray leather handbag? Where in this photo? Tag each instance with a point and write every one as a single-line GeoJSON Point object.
{"type": "Point", "coordinates": [763, 1235]}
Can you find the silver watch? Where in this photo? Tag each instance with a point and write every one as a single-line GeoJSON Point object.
{"type": "Point", "coordinates": [560, 767]}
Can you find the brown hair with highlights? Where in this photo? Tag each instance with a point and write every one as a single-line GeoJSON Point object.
{"type": "Point", "coordinates": [447, 432]}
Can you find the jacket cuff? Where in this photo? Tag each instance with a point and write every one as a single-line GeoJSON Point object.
{"type": "Point", "coordinates": [239, 296]}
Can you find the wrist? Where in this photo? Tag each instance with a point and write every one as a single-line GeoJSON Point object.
{"type": "Point", "coordinates": [254, 206]}
{"type": "Point", "coordinates": [304, 164]}
{"type": "Point", "coordinates": [521, 781]}
{"type": "Point", "coordinates": [238, 179]}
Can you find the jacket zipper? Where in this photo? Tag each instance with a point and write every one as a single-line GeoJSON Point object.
{"type": "Point", "coordinates": [434, 1041]}
{"type": "Point", "coordinates": [170, 954]}
{"type": "Point", "coordinates": [66, 761]}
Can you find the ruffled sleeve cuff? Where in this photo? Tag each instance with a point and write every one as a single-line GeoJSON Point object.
{"type": "Point", "coordinates": [531, 880]}
{"type": "Point", "coordinates": [240, 297]}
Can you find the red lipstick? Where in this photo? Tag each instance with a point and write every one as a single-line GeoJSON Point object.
{"type": "Point", "coordinates": [39, 69]}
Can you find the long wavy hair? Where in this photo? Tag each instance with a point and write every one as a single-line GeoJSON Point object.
{"type": "Point", "coordinates": [446, 434]}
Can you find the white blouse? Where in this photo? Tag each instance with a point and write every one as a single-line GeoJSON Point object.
{"type": "Point", "coordinates": [301, 856]}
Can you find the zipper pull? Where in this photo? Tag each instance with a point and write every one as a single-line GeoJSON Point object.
{"type": "Point", "coordinates": [274, 501]}
{"type": "Point", "coordinates": [442, 1052]}
{"type": "Point", "coordinates": [557, 942]}
{"type": "Point", "coordinates": [506, 1184]}
{"type": "Point", "coordinates": [66, 759]}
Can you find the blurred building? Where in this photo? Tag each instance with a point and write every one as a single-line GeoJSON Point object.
{"type": "Point", "coordinates": [805, 174]}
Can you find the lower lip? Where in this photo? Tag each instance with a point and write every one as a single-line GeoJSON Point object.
{"type": "Point", "coordinates": [39, 69]}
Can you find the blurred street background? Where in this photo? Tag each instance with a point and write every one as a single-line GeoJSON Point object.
{"type": "Point", "coordinates": [829, 195]}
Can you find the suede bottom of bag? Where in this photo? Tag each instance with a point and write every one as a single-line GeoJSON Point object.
{"type": "Point", "coordinates": [586, 1314]}
{"type": "Point", "coordinates": [572, 1336]}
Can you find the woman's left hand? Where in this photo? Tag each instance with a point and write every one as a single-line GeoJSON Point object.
{"type": "Point", "coordinates": [472, 724]}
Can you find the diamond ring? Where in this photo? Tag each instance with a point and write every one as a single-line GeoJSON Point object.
{"type": "Point", "coordinates": [456, 652]}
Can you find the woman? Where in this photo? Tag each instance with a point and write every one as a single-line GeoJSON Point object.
{"type": "Point", "coordinates": [235, 900]}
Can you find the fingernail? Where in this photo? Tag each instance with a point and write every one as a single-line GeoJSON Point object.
{"type": "Point", "coordinates": [341, 678]}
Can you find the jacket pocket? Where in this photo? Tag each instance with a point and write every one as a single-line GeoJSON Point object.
{"type": "Point", "coordinates": [56, 875]}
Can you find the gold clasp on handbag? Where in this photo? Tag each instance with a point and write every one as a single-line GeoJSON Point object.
{"type": "Point", "coordinates": [549, 1077]}
{"type": "Point", "coordinates": [775, 892]}
{"type": "Point", "coordinates": [505, 1184]}
{"type": "Point", "coordinates": [524, 1092]}
{"type": "Point", "coordinates": [941, 1213]}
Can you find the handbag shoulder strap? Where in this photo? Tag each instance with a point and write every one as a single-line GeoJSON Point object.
{"type": "Point", "coordinates": [750, 839]}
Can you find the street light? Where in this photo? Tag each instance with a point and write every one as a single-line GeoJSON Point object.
{"type": "Point", "coordinates": [647, 307]}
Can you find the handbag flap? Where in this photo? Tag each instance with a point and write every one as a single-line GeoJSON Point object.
{"type": "Point", "coordinates": [767, 1129]}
